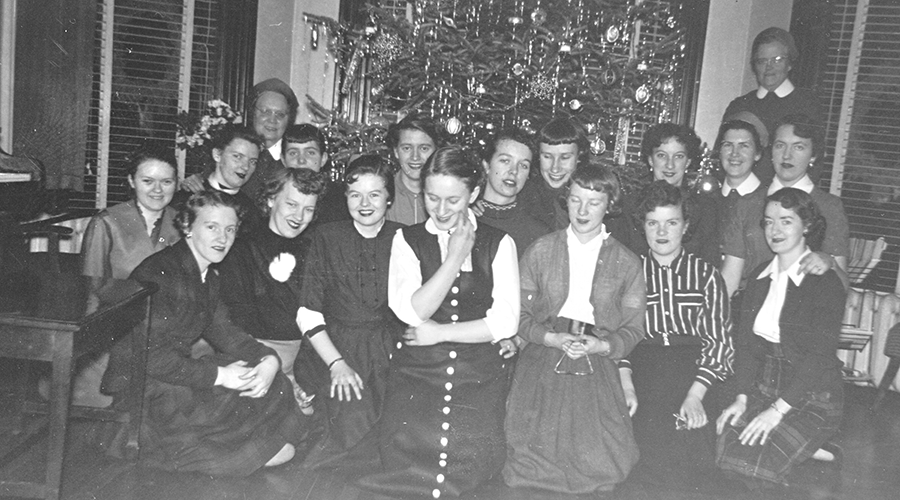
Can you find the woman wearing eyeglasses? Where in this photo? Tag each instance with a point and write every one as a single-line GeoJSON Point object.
{"type": "Point", "coordinates": [774, 54]}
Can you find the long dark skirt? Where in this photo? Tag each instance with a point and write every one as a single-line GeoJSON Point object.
{"type": "Point", "coordinates": [215, 431]}
{"type": "Point", "coordinates": [799, 434]}
{"type": "Point", "coordinates": [662, 377]}
{"type": "Point", "coordinates": [441, 429]}
{"type": "Point", "coordinates": [567, 433]}
{"type": "Point", "coordinates": [367, 348]}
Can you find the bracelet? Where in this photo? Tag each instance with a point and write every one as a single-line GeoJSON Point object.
{"type": "Point", "coordinates": [333, 362]}
{"type": "Point", "coordinates": [775, 407]}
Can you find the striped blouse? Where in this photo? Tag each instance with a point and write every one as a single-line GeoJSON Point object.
{"type": "Point", "coordinates": [688, 299]}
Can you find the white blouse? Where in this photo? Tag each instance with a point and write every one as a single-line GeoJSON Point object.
{"type": "Point", "coordinates": [405, 278]}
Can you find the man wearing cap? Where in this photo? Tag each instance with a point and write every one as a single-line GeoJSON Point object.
{"type": "Point", "coordinates": [773, 55]}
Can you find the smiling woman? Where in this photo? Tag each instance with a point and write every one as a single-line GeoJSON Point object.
{"type": "Point", "coordinates": [264, 270]}
{"type": "Point", "coordinates": [225, 414]}
{"type": "Point", "coordinates": [455, 283]}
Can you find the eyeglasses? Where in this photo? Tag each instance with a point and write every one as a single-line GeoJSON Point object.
{"type": "Point", "coordinates": [272, 113]}
{"type": "Point", "coordinates": [774, 61]}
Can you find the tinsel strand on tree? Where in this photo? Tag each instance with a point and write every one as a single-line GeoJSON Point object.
{"type": "Point", "coordinates": [477, 66]}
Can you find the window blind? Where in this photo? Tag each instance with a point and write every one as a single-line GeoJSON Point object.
{"type": "Point", "coordinates": [140, 83]}
{"type": "Point", "coordinates": [861, 94]}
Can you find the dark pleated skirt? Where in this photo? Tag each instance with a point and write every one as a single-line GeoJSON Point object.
{"type": "Point", "coordinates": [441, 429]}
{"type": "Point", "coordinates": [801, 432]}
{"type": "Point", "coordinates": [662, 377]}
{"type": "Point", "coordinates": [367, 348]}
{"type": "Point", "coordinates": [567, 433]}
{"type": "Point", "coordinates": [215, 431]}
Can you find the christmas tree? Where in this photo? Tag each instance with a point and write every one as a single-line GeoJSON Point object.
{"type": "Point", "coordinates": [479, 66]}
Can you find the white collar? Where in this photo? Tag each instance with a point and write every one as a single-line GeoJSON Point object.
{"type": "Point", "coordinates": [803, 184]}
{"type": "Point", "coordinates": [793, 271]}
{"type": "Point", "coordinates": [432, 228]}
{"type": "Point", "coordinates": [275, 150]}
{"type": "Point", "coordinates": [782, 90]}
{"type": "Point", "coordinates": [218, 187]}
{"type": "Point", "coordinates": [594, 244]}
{"type": "Point", "coordinates": [748, 186]}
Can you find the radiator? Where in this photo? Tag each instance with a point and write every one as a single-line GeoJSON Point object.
{"type": "Point", "coordinates": [875, 312]}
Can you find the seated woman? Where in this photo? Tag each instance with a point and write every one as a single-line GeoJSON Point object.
{"type": "Point", "coordinates": [687, 351]}
{"type": "Point", "coordinates": [456, 284]}
{"type": "Point", "coordinates": [568, 433]}
{"type": "Point", "coordinates": [119, 238]}
{"type": "Point", "coordinates": [507, 164]}
{"type": "Point", "coordinates": [788, 378]}
{"type": "Point", "coordinates": [344, 307]}
{"type": "Point", "coordinates": [226, 414]}
{"type": "Point", "coordinates": [264, 269]}
{"type": "Point", "coordinates": [669, 149]}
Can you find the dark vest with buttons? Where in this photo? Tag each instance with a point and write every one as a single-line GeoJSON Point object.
{"type": "Point", "coordinates": [471, 292]}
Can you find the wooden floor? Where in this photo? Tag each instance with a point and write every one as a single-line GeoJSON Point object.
{"type": "Point", "coordinates": [871, 470]}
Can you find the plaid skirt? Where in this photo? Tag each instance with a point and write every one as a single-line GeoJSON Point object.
{"type": "Point", "coordinates": [801, 432]}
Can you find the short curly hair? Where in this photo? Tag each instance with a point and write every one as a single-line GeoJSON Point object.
{"type": "Point", "coordinates": [305, 180]}
{"type": "Point", "coordinates": [659, 134]}
{"type": "Point", "coordinates": [210, 198]}
{"type": "Point", "coordinates": [662, 194]}
{"type": "Point", "coordinates": [802, 204]}
{"type": "Point", "coordinates": [370, 164]}
{"type": "Point", "coordinates": [597, 178]}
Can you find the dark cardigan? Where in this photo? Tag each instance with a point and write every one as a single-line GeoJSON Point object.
{"type": "Point", "coordinates": [810, 323]}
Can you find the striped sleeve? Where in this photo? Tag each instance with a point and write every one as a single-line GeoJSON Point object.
{"type": "Point", "coordinates": [713, 326]}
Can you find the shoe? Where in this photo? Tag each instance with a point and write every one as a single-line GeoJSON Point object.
{"type": "Point", "coordinates": [835, 451]}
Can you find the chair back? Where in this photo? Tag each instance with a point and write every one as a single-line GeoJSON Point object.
{"type": "Point", "coordinates": [864, 256]}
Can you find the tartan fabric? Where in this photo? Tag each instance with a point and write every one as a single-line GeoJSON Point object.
{"type": "Point", "coordinates": [801, 432]}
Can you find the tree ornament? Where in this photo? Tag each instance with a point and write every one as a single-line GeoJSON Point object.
{"type": "Point", "coordinates": [314, 37]}
{"type": "Point", "coordinates": [642, 94]}
{"type": "Point", "coordinates": [670, 22]}
{"type": "Point", "coordinates": [598, 146]}
{"type": "Point", "coordinates": [643, 66]}
{"type": "Point", "coordinates": [708, 184]}
{"type": "Point", "coordinates": [453, 126]}
{"type": "Point", "coordinates": [515, 20]}
{"type": "Point", "coordinates": [449, 22]}
{"type": "Point", "coordinates": [565, 48]}
{"type": "Point", "coordinates": [387, 48]}
{"type": "Point", "coordinates": [668, 86]}
{"type": "Point", "coordinates": [612, 33]}
{"type": "Point", "coordinates": [575, 105]}
{"type": "Point", "coordinates": [480, 90]}
{"type": "Point", "coordinates": [518, 69]}
{"type": "Point", "coordinates": [609, 77]}
{"type": "Point", "coordinates": [538, 16]}
{"type": "Point", "coordinates": [371, 30]}
{"type": "Point", "coordinates": [377, 90]}
{"type": "Point", "coordinates": [541, 87]}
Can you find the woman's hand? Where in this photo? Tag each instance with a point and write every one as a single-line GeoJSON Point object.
{"type": "Point", "coordinates": [817, 263]}
{"type": "Point", "coordinates": [759, 428]}
{"type": "Point", "coordinates": [559, 341]}
{"type": "Point", "coordinates": [477, 208]}
{"type": "Point", "coordinates": [732, 415]}
{"type": "Point", "coordinates": [508, 348]}
{"type": "Point", "coordinates": [693, 413]}
{"type": "Point", "coordinates": [462, 240]}
{"type": "Point", "coordinates": [260, 377]}
{"type": "Point", "coordinates": [343, 379]}
{"type": "Point", "coordinates": [193, 183]}
{"type": "Point", "coordinates": [232, 375]}
{"type": "Point", "coordinates": [428, 333]}
{"type": "Point", "coordinates": [631, 401]}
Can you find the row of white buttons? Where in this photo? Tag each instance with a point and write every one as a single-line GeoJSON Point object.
{"type": "Point", "coordinates": [442, 463]}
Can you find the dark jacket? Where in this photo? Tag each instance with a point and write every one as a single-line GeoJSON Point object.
{"type": "Point", "coordinates": [810, 323]}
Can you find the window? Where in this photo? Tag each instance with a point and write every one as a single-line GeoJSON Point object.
{"type": "Point", "coordinates": [860, 88]}
{"type": "Point", "coordinates": [151, 58]}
